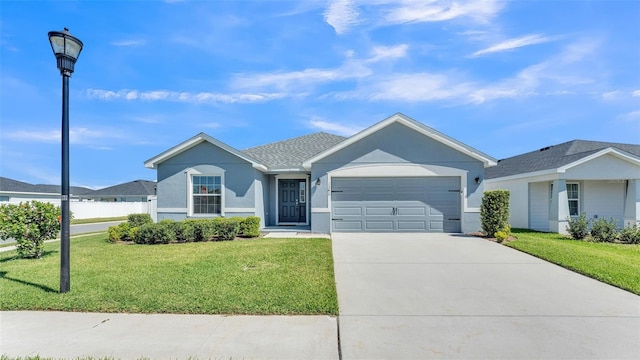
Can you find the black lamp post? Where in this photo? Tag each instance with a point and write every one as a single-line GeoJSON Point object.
{"type": "Point", "coordinates": [66, 49]}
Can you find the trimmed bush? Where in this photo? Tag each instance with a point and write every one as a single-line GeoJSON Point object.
{"type": "Point", "coordinates": [160, 233]}
{"type": "Point", "coordinates": [630, 234]}
{"type": "Point", "coordinates": [578, 227]}
{"type": "Point", "coordinates": [603, 230]}
{"type": "Point", "coordinates": [226, 228]}
{"type": "Point", "coordinates": [30, 224]}
{"type": "Point", "coordinates": [136, 220]}
{"type": "Point", "coordinates": [494, 211]}
{"type": "Point", "coordinates": [250, 226]}
{"type": "Point", "coordinates": [185, 231]}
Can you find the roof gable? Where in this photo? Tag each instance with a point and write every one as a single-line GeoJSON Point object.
{"type": "Point", "coordinates": [561, 157]}
{"type": "Point", "coordinates": [192, 142]}
{"type": "Point", "coordinates": [412, 124]}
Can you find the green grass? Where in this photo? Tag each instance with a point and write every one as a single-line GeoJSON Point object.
{"type": "Point", "coordinates": [97, 220]}
{"type": "Point", "coordinates": [614, 264]}
{"type": "Point", "coordinates": [262, 276]}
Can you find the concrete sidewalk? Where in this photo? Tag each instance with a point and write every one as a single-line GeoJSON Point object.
{"type": "Point", "coordinates": [167, 336]}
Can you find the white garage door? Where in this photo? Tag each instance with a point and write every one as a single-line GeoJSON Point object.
{"type": "Point", "coordinates": [395, 204]}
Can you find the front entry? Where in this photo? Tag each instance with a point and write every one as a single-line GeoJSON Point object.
{"type": "Point", "coordinates": [292, 201]}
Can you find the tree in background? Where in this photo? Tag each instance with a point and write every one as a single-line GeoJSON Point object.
{"type": "Point", "coordinates": [30, 224]}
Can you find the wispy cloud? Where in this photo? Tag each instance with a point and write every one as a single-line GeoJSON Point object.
{"type": "Point", "coordinates": [78, 135]}
{"type": "Point", "coordinates": [183, 97]}
{"type": "Point", "coordinates": [403, 12]}
{"type": "Point", "coordinates": [636, 93]}
{"type": "Point", "coordinates": [342, 15]}
{"type": "Point", "coordinates": [333, 127]}
{"type": "Point", "coordinates": [129, 42]}
{"type": "Point", "coordinates": [514, 43]}
{"type": "Point", "coordinates": [611, 95]}
{"type": "Point", "coordinates": [632, 116]}
{"type": "Point", "coordinates": [388, 52]}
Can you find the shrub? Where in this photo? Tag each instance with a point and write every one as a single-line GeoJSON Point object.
{"type": "Point", "coordinates": [136, 220]}
{"type": "Point", "coordinates": [30, 224]}
{"type": "Point", "coordinates": [226, 228]}
{"type": "Point", "coordinates": [578, 227]}
{"type": "Point", "coordinates": [185, 231]}
{"type": "Point", "coordinates": [501, 236]}
{"type": "Point", "coordinates": [630, 234]}
{"type": "Point", "coordinates": [603, 230]}
{"type": "Point", "coordinates": [250, 226]}
{"type": "Point", "coordinates": [494, 211]}
{"type": "Point", "coordinates": [160, 233]}
{"type": "Point", "coordinates": [204, 229]}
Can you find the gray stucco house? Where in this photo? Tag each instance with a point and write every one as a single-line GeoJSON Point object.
{"type": "Point", "coordinates": [397, 175]}
{"type": "Point", "coordinates": [552, 184]}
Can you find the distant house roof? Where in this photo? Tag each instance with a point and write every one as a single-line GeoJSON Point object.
{"type": "Point", "coordinates": [132, 188]}
{"type": "Point", "coordinates": [10, 185]}
{"type": "Point", "coordinates": [557, 156]}
{"type": "Point", "coordinates": [290, 154]}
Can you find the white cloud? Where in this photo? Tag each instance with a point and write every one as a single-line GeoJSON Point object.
{"type": "Point", "coordinates": [332, 127]}
{"type": "Point", "coordinates": [184, 97]}
{"type": "Point", "coordinates": [130, 42]}
{"type": "Point", "coordinates": [611, 95]}
{"type": "Point", "coordinates": [514, 44]}
{"type": "Point", "coordinates": [78, 135]}
{"type": "Point", "coordinates": [630, 116]}
{"type": "Point", "coordinates": [342, 15]}
{"type": "Point", "coordinates": [388, 52]}
{"type": "Point", "coordinates": [435, 10]}
{"type": "Point", "coordinates": [636, 93]}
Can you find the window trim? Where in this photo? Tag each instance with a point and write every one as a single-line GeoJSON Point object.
{"type": "Point", "coordinates": [190, 174]}
{"type": "Point", "coordinates": [577, 199]}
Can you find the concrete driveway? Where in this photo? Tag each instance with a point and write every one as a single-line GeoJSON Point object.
{"type": "Point", "coordinates": [442, 296]}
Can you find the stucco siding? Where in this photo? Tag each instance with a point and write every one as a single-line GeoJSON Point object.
{"type": "Point", "coordinates": [604, 199]}
{"type": "Point", "coordinates": [239, 178]}
{"type": "Point", "coordinates": [518, 200]}
{"type": "Point", "coordinates": [606, 167]}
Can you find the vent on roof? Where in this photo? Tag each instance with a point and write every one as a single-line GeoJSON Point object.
{"type": "Point", "coordinates": [500, 160]}
{"type": "Point", "coordinates": [545, 148]}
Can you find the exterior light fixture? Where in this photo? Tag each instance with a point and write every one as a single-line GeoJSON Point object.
{"type": "Point", "coordinates": [66, 48]}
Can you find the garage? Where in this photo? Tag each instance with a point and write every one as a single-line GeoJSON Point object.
{"type": "Point", "coordinates": [386, 204]}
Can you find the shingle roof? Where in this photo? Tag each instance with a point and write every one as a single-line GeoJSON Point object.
{"type": "Point", "coordinates": [132, 188]}
{"type": "Point", "coordinates": [7, 184]}
{"type": "Point", "coordinates": [552, 157]}
{"type": "Point", "coordinates": [291, 153]}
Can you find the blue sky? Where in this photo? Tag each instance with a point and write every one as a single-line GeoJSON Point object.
{"type": "Point", "coordinates": [503, 77]}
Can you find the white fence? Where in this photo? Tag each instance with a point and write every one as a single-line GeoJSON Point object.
{"type": "Point", "coordinates": [99, 209]}
{"type": "Point", "coordinates": [90, 210]}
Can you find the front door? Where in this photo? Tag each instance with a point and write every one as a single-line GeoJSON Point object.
{"type": "Point", "coordinates": [291, 201]}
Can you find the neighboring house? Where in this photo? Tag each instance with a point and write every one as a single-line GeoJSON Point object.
{"type": "Point", "coordinates": [550, 185]}
{"type": "Point", "coordinates": [16, 191]}
{"type": "Point", "coordinates": [133, 191]}
{"type": "Point", "coordinates": [397, 175]}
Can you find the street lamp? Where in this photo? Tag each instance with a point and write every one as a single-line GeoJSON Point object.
{"type": "Point", "coordinates": [66, 48]}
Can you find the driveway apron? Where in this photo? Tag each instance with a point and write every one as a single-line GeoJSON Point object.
{"type": "Point", "coordinates": [449, 296]}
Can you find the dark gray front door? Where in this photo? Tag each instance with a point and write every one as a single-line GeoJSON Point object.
{"type": "Point", "coordinates": [396, 204]}
{"type": "Point", "coordinates": [292, 209]}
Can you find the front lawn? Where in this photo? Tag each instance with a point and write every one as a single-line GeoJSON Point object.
{"type": "Point", "coordinates": [615, 264]}
{"type": "Point", "coordinates": [261, 276]}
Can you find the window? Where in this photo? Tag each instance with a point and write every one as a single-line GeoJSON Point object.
{"type": "Point", "coordinates": [207, 194]}
{"type": "Point", "coordinates": [573, 194]}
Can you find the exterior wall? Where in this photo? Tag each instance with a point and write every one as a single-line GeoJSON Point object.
{"type": "Point", "coordinates": [606, 167]}
{"type": "Point", "coordinates": [604, 199]}
{"type": "Point", "coordinates": [519, 195]}
{"type": "Point", "coordinates": [239, 181]}
{"type": "Point", "coordinates": [398, 145]}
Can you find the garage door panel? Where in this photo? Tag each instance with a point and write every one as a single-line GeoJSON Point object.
{"type": "Point", "coordinates": [395, 204]}
{"type": "Point", "coordinates": [348, 211]}
{"type": "Point", "coordinates": [379, 225]}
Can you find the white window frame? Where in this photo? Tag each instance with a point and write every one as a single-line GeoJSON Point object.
{"type": "Point", "coordinates": [577, 199]}
{"type": "Point", "coordinates": [190, 194]}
